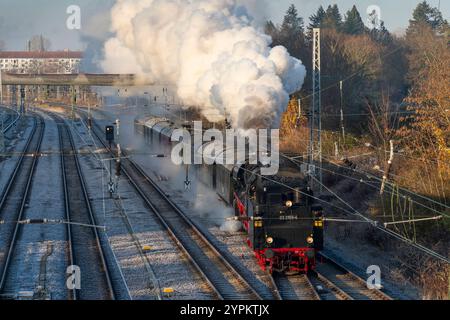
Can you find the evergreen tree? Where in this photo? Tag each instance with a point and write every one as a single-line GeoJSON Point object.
{"type": "Point", "coordinates": [333, 18]}
{"type": "Point", "coordinates": [271, 30]}
{"type": "Point", "coordinates": [353, 23]}
{"type": "Point", "coordinates": [424, 14]}
{"type": "Point", "coordinates": [381, 34]}
{"type": "Point", "coordinates": [316, 19]}
{"type": "Point", "coordinates": [292, 23]}
{"type": "Point", "coordinates": [291, 33]}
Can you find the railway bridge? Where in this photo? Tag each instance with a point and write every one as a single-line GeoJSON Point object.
{"type": "Point", "coordinates": [81, 79]}
{"type": "Point", "coordinates": [18, 83]}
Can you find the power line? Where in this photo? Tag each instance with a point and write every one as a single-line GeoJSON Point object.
{"type": "Point", "coordinates": [409, 157]}
{"type": "Point", "coordinates": [353, 74]}
{"type": "Point", "coordinates": [52, 221]}
{"type": "Point", "coordinates": [403, 189]}
{"type": "Point", "coordinates": [296, 160]}
{"type": "Point", "coordinates": [368, 114]}
{"type": "Point", "coordinates": [370, 176]}
{"type": "Point", "coordinates": [390, 232]}
{"type": "Point", "coordinates": [296, 190]}
{"type": "Point", "coordinates": [411, 221]}
{"type": "Point", "coordinates": [376, 187]}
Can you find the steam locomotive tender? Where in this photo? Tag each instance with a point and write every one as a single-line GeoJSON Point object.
{"type": "Point", "coordinates": [284, 228]}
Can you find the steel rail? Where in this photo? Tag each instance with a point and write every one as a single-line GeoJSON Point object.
{"type": "Point", "coordinates": [351, 285]}
{"type": "Point", "coordinates": [16, 194]}
{"type": "Point", "coordinates": [297, 287]}
{"type": "Point", "coordinates": [11, 124]}
{"type": "Point", "coordinates": [70, 161]}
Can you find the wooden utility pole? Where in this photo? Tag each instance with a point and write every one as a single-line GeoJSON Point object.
{"type": "Point", "coordinates": [299, 115]}
{"type": "Point", "coordinates": [388, 167]}
{"type": "Point", "coordinates": [342, 111]}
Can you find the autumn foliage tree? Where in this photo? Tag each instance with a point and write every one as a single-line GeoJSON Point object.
{"type": "Point", "coordinates": [426, 131]}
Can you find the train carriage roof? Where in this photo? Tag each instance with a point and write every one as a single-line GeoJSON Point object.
{"type": "Point", "coordinates": [151, 122]}
{"type": "Point", "coordinates": [206, 152]}
{"type": "Point", "coordinates": [165, 128]}
{"type": "Point", "coordinates": [160, 125]}
{"type": "Point", "coordinates": [288, 169]}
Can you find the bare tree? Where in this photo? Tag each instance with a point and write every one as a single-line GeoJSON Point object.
{"type": "Point", "coordinates": [383, 123]}
{"type": "Point", "coordinates": [39, 43]}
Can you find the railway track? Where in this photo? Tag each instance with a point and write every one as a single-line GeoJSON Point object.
{"type": "Point", "coordinates": [14, 200]}
{"type": "Point", "coordinates": [5, 122]}
{"type": "Point", "coordinates": [226, 277]}
{"type": "Point", "coordinates": [345, 284]}
{"type": "Point", "coordinates": [85, 250]}
{"type": "Point", "coordinates": [9, 122]}
{"type": "Point", "coordinates": [297, 287]}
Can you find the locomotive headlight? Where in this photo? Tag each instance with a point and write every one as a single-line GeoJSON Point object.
{"type": "Point", "coordinates": [310, 240]}
{"type": "Point", "coordinates": [289, 203]}
{"type": "Point", "coordinates": [269, 240]}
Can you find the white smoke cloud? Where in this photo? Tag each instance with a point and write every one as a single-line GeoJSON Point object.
{"type": "Point", "coordinates": [211, 52]}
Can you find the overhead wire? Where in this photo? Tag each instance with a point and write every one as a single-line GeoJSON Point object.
{"type": "Point", "coordinates": [376, 225]}
{"type": "Point", "coordinates": [401, 188]}
{"type": "Point", "coordinates": [369, 176]}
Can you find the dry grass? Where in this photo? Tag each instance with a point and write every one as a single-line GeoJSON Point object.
{"type": "Point", "coordinates": [428, 274]}
{"type": "Point", "coordinates": [294, 140]}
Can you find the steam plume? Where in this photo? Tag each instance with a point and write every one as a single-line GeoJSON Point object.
{"type": "Point", "coordinates": [211, 52]}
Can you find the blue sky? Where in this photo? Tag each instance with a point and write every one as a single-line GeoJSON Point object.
{"type": "Point", "coordinates": [20, 19]}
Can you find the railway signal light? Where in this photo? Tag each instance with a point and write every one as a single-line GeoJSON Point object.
{"type": "Point", "coordinates": [109, 133]}
{"type": "Point", "coordinates": [147, 248]}
{"type": "Point", "coordinates": [168, 292]}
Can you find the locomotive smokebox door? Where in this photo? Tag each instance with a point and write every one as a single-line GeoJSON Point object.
{"type": "Point", "coordinates": [109, 131]}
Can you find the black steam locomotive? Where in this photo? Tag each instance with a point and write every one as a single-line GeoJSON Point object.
{"type": "Point", "coordinates": [284, 227]}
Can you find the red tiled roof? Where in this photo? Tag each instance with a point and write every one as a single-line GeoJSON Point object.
{"type": "Point", "coordinates": [41, 54]}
